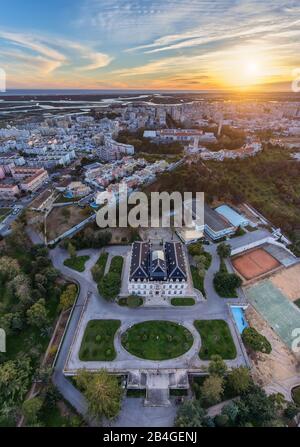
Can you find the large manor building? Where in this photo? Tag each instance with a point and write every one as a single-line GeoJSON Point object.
{"type": "Point", "coordinates": [158, 272]}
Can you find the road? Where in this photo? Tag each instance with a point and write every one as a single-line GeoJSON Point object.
{"type": "Point", "coordinates": [7, 222]}
{"type": "Point", "coordinates": [70, 393]}
{"type": "Point", "coordinates": [214, 307]}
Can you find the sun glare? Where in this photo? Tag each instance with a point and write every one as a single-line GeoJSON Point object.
{"type": "Point", "coordinates": [243, 72]}
{"type": "Point", "coordinates": [252, 68]}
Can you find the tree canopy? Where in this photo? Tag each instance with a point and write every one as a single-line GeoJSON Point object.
{"type": "Point", "coordinates": [212, 390]}
{"type": "Point", "coordinates": [239, 379]}
{"type": "Point", "coordinates": [102, 391]}
{"type": "Point", "coordinates": [191, 414]}
{"type": "Point", "coordinates": [224, 250]}
{"type": "Point", "coordinates": [256, 341]}
{"type": "Point", "coordinates": [37, 315]}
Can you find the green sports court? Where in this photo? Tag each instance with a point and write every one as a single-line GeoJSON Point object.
{"type": "Point", "coordinates": [280, 313]}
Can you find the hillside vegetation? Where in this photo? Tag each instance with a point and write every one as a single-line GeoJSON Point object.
{"type": "Point", "coordinates": [269, 182]}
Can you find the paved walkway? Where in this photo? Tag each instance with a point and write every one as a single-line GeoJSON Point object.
{"type": "Point", "coordinates": [213, 308]}
{"type": "Point", "coordinates": [134, 414]}
{"type": "Point", "coordinates": [284, 387]}
{"type": "Point", "coordinates": [98, 308]}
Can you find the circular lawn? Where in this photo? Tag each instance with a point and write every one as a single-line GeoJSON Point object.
{"type": "Point", "coordinates": [157, 340]}
{"type": "Point", "coordinates": [296, 395]}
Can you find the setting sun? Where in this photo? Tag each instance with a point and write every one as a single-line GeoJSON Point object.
{"type": "Point", "coordinates": [252, 68]}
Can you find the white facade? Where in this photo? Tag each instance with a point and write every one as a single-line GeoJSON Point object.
{"type": "Point", "coordinates": [112, 150]}
{"type": "Point", "coordinates": [158, 288]}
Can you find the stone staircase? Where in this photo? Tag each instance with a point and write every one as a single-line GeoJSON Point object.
{"type": "Point", "coordinates": [157, 390]}
{"type": "Point", "coordinates": [158, 385]}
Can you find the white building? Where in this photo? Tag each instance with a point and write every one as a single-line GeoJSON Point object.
{"type": "Point", "coordinates": [112, 150]}
{"type": "Point", "coordinates": [159, 273]}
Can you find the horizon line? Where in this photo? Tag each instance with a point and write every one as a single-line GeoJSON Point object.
{"type": "Point", "coordinates": [143, 90]}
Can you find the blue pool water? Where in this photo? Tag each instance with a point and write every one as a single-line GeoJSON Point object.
{"type": "Point", "coordinates": [239, 316]}
{"type": "Point", "coordinates": [68, 195]}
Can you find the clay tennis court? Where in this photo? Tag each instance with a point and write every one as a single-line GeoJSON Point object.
{"type": "Point", "coordinates": [254, 264]}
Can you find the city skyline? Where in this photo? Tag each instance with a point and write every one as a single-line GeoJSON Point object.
{"type": "Point", "coordinates": [115, 44]}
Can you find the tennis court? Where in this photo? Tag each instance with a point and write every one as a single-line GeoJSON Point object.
{"type": "Point", "coordinates": [288, 281]}
{"type": "Point", "coordinates": [255, 263]}
{"type": "Point", "coordinates": [282, 316]}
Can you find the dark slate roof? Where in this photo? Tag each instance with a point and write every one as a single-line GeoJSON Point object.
{"type": "Point", "coordinates": [157, 265]}
{"type": "Point", "coordinates": [140, 261]}
{"type": "Point", "coordinates": [214, 220]}
{"type": "Point", "coordinates": [175, 261]}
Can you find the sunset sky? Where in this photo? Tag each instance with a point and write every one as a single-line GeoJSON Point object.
{"type": "Point", "coordinates": [150, 44]}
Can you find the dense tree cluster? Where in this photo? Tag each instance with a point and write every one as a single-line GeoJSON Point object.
{"type": "Point", "coordinates": [226, 283]}
{"type": "Point", "coordinates": [110, 284]}
{"type": "Point", "coordinates": [249, 405]}
{"type": "Point", "coordinates": [269, 182]}
{"type": "Point", "coordinates": [145, 145]}
{"type": "Point", "coordinates": [68, 296]}
{"type": "Point", "coordinates": [102, 392]}
{"type": "Point", "coordinates": [224, 250]}
{"type": "Point", "coordinates": [256, 341]}
{"type": "Point", "coordinates": [29, 297]}
{"type": "Point", "coordinates": [89, 237]}
{"type": "Point", "coordinates": [191, 414]}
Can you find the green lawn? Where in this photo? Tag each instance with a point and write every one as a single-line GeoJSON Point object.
{"type": "Point", "coordinates": [98, 341]}
{"type": "Point", "coordinates": [62, 199]}
{"type": "Point", "coordinates": [110, 285]}
{"type": "Point", "coordinates": [198, 280]}
{"type": "Point", "coordinates": [116, 265]}
{"type": "Point", "coordinates": [208, 259]}
{"type": "Point", "coordinates": [99, 267]}
{"type": "Point", "coordinates": [77, 263]}
{"type": "Point", "coordinates": [157, 340]}
{"type": "Point", "coordinates": [182, 301]}
{"type": "Point", "coordinates": [134, 301]}
{"type": "Point", "coordinates": [216, 338]}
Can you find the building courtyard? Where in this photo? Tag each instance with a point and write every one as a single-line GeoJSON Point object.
{"type": "Point", "coordinates": [156, 344]}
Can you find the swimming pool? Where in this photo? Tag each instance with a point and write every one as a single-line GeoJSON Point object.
{"type": "Point", "coordinates": [239, 317]}
{"type": "Point", "coordinates": [68, 195]}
